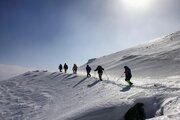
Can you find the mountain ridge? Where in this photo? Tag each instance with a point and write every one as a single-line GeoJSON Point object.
{"type": "Point", "coordinates": [162, 52]}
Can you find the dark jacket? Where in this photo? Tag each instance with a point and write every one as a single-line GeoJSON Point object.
{"type": "Point", "coordinates": [65, 66]}
{"type": "Point", "coordinates": [127, 72]}
{"type": "Point", "coordinates": [136, 112]}
{"type": "Point", "coordinates": [60, 67]}
{"type": "Point", "coordinates": [75, 67]}
{"type": "Point", "coordinates": [99, 69]}
{"type": "Point", "coordinates": [88, 69]}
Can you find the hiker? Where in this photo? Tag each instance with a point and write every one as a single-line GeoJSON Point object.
{"type": "Point", "coordinates": [74, 69]}
{"type": "Point", "coordinates": [128, 75]}
{"type": "Point", "coordinates": [100, 71]}
{"type": "Point", "coordinates": [65, 67]}
{"type": "Point", "coordinates": [88, 70]}
{"type": "Point", "coordinates": [60, 68]}
{"type": "Point", "coordinates": [135, 113]}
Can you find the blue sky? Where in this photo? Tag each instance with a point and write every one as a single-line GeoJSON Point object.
{"type": "Point", "coordinates": [44, 33]}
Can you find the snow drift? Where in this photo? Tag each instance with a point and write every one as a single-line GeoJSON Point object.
{"type": "Point", "coordinates": [8, 71]}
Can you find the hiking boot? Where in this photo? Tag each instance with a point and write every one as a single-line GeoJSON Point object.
{"type": "Point", "coordinates": [130, 83]}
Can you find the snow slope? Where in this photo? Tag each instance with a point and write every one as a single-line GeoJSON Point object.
{"type": "Point", "coordinates": [156, 59]}
{"type": "Point", "coordinates": [41, 95]}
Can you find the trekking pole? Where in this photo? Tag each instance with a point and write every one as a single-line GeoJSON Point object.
{"type": "Point", "coordinates": [106, 75]}
{"type": "Point", "coordinates": [120, 77]}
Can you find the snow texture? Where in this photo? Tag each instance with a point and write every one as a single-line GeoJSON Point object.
{"type": "Point", "coordinates": [42, 95]}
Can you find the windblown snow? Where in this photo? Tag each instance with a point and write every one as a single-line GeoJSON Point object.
{"type": "Point", "coordinates": [41, 95]}
{"type": "Point", "coordinates": [8, 71]}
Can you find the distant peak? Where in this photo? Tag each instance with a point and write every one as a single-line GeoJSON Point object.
{"type": "Point", "coordinates": [91, 60]}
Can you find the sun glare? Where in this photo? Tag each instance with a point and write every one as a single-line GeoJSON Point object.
{"type": "Point", "coordinates": [136, 4]}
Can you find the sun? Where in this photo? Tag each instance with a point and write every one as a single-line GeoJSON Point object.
{"type": "Point", "coordinates": [136, 4]}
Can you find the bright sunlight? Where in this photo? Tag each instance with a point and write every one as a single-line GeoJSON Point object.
{"type": "Point", "coordinates": [137, 4]}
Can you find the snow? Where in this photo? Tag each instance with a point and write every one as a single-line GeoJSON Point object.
{"type": "Point", "coordinates": [43, 95]}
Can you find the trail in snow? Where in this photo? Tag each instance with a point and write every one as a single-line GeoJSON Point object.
{"type": "Point", "coordinates": [57, 96]}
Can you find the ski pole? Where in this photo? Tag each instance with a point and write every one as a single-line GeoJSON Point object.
{"type": "Point", "coordinates": [120, 77]}
{"type": "Point", "coordinates": [106, 75]}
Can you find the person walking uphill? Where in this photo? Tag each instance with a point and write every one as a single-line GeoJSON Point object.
{"type": "Point", "coordinates": [74, 69]}
{"type": "Point", "coordinates": [65, 67]}
{"type": "Point", "coordinates": [100, 71]}
{"type": "Point", "coordinates": [60, 68]}
{"type": "Point", "coordinates": [128, 75]}
{"type": "Point", "coordinates": [88, 70]}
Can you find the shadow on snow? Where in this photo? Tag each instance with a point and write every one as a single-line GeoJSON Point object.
{"type": "Point", "coordinates": [79, 82]}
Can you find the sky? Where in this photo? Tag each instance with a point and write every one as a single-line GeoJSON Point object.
{"type": "Point", "coordinates": [41, 34]}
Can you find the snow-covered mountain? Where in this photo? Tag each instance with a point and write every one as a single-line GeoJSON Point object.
{"type": "Point", "coordinates": [159, 58]}
{"type": "Point", "coordinates": [41, 95]}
